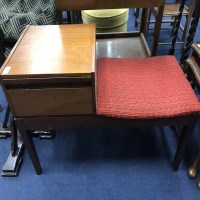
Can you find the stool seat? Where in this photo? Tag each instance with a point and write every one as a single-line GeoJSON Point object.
{"type": "Point", "coordinates": [143, 88]}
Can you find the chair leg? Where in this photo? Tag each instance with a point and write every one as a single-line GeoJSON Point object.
{"type": "Point", "coordinates": [184, 138]}
{"type": "Point", "coordinates": [193, 169]}
{"type": "Point", "coordinates": [29, 145]}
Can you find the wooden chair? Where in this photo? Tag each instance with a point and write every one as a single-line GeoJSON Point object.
{"type": "Point", "coordinates": [129, 87]}
{"type": "Point", "coordinates": [171, 12]}
{"type": "Point", "coordinates": [192, 67]}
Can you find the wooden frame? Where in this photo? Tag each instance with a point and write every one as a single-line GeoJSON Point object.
{"type": "Point", "coordinates": [25, 125]}
{"type": "Point", "coordinates": [173, 12]}
{"type": "Point", "coordinates": [104, 4]}
{"type": "Point", "coordinates": [192, 68]}
{"type": "Point", "coordinates": [42, 121]}
{"type": "Point", "coordinates": [73, 6]}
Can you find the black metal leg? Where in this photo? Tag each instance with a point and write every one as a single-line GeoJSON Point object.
{"type": "Point", "coordinates": [30, 147]}
{"type": "Point", "coordinates": [14, 160]}
{"type": "Point", "coordinates": [49, 135]}
{"type": "Point", "coordinates": [184, 138]}
{"type": "Point", "coordinates": [7, 115]}
{"type": "Point", "coordinates": [14, 139]}
{"type": "Point", "coordinates": [5, 131]}
{"type": "Point", "coordinates": [15, 157]}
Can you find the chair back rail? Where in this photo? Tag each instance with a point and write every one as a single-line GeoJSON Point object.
{"type": "Point", "coordinates": [105, 4]}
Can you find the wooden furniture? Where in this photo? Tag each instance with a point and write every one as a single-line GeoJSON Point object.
{"type": "Point", "coordinates": [172, 10]}
{"type": "Point", "coordinates": [13, 162]}
{"type": "Point", "coordinates": [137, 38]}
{"type": "Point", "coordinates": [55, 66]}
{"type": "Point", "coordinates": [192, 32]}
{"type": "Point", "coordinates": [192, 66]}
{"type": "Point", "coordinates": [170, 15]}
{"type": "Point", "coordinates": [62, 59]}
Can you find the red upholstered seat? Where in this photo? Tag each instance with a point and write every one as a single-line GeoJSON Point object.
{"type": "Point", "coordinates": [141, 88]}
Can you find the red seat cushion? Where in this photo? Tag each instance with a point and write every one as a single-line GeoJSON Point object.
{"type": "Point", "coordinates": [141, 88]}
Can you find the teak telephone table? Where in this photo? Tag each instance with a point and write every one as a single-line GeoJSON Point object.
{"type": "Point", "coordinates": [49, 77]}
{"type": "Point", "coordinates": [50, 84]}
{"type": "Point", "coordinates": [13, 163]}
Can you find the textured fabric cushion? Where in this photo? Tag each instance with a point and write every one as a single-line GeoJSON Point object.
{"type": "Point", "coordinates": [15, 15]}
{"type": "Point", "coordinates": [141, 88]}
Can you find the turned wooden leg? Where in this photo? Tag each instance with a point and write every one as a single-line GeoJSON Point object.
{"type": "Point", "coordinates": [193, 169]}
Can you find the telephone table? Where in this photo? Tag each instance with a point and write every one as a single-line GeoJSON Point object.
{"type": "Point", "coordinates": [49, 81]}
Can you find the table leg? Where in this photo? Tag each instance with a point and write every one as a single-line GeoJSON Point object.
{"type": "Point", "coordinates": [29, 145]}
{"type": "Point", "coordinates": [185, 136]}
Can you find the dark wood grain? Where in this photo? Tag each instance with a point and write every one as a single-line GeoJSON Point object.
{"type": "Point", "coordinates": [105, 4]}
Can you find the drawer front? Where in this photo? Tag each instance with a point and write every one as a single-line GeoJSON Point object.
{"type": "Point", "coordinates": [51, 101]}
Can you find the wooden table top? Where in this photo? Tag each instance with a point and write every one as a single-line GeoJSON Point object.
{"type": "Point", "coordinates": [53, 49]}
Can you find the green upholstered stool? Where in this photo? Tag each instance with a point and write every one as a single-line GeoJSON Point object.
{"type": "Point", "coordinates": [109, 20]}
